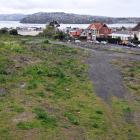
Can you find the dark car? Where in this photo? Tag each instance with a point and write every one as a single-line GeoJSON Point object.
{"type": "Point", "coordinates": [131, 44]}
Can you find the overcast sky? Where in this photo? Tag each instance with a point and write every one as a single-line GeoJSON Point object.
{"type": "Point", "coordinates": [114, 8]}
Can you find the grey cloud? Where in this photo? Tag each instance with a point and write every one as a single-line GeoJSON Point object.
{"type": "Point", "coordinates": [93, 7]}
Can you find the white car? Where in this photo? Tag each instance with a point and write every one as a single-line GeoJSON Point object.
{"type": "Point", "coordinates": [97, 42]}
{"type": "Point", "coordinates": [90, 41]}
{"type": "Point", "coordinates": [103, 42]}
{"type": "Point", "coordinates": [77, 41]}
{"type": "Point", "coordinates": [139, 45]}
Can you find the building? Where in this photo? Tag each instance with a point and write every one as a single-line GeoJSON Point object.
{"type": "Point", "coordinates": [136, 31]}
{"type": "Point", "coordinates": [76, 32]}
{"type": "Point", "coordinates": [99, 29]}
{"type": "Point", "coordinates": [123, 35]}
{"type": "Point", "coordinates": [88, 35]}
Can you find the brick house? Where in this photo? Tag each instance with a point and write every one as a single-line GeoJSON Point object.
{"type": "Point", "coordinates": [100, 29]}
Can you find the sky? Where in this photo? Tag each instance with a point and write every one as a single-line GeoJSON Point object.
{"type": "Point", "coordinates": [111, 8]}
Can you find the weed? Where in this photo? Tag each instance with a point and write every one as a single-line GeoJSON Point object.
{"type": "Point", "coordinates": [17, 108]}
{"type": "Point", "coordinates": [72, 118]}
{"type": "Point", "coordinates": [40, 94]}
{"type": "Point", "coordinates": [32, 85]}
{"type": "Point", "coordinates": [46, 120]}
{"type": "Point", "coordinates": [99, 112]}
{"type": "Point", "coordinates": [25, 125]}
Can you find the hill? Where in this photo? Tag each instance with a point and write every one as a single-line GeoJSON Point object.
{"type": "Point", "coordinates": [11, 17]}
{"type": "Point", "coordinates": [42, 18]}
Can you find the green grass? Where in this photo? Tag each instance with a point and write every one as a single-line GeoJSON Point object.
{"type": "Point", "coordinates": [46, 120]}
{"type": "Point", "coordinates": [129, 108]}
{"type": "Point", "coordinates": [25, 125]}
{"type": "Point", "coordinates": [72, 119]}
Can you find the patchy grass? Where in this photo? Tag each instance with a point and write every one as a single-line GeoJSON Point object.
{"type": "Point", "coordinates": [25, 125]}
{"type": "Point", "coordinates": [129, 107]}
{"type": "Point", "coordinates": [46, 120]}
{"type": "Point", "coordinates": [72, 119]}
{"type": "Point", "coordinates": [47, 92]}
{"type": "Point", "coordinates": [48, 95]}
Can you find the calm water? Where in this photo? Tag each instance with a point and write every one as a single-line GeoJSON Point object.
{"type": "Point", "coordinates": [15, 24]}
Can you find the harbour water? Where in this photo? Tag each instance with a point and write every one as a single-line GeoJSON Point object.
{"type": "Point", "coordinates": [15, 24]}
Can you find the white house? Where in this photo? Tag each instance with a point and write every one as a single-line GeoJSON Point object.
{"type": "Point", "coordinates": [125, 36]}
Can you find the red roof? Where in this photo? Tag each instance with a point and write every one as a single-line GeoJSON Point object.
{"type": "Point", "coordinates": [96, 25]}
{"type": "Point", "coordinates": [76, 32]}
{"type": "Point", "coordinates": [101, 27]}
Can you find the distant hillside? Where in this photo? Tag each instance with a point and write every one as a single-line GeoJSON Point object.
{"type": "Point", "coordinates": [65, 18]}
{"type": "Point", "coordinates": [11, 17]}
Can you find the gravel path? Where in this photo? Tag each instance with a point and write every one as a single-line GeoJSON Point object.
{"type": "Point", "coordinates": [106, 79]}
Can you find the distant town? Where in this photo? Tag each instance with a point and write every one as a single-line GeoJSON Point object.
{"type": "Point", "coordinates": [96, 32]}
{"type": "Point", "coordinates": [100, 32]}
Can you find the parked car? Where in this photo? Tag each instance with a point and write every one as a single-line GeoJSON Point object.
{"type": "Point", "coordinates": [131, 44]}
{"type": "Point", "coordinates": [96, 42]}
{"type": "Point", "coordinates": [139, 46]}
{"type": "Point", "coordinates": [90, 41]}
{"type": "Point", "coordinates": [103, 42]}
{"type": "Point", "coordinates": [77, 41]}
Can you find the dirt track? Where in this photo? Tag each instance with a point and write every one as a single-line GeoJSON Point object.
{"type": "Point", "coordinates": [107, 80]}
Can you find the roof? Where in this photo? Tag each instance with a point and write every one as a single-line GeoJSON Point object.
{"type": "Point", "coordinates": [96, 25]}
{"type": "Point", "coordinates": [76, 32]}
{"type": "Point", "coordinates": [123, 32]}
{"type": "Point", "coordinates": [121, 35]}
{"type": "Point", "coordinates": [136, 28]}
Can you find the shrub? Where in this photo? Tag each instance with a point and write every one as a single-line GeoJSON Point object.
{"type": "Point", "coordinates": [13, 32]}
{"type": "Point", "coordinates": [3, 31]}
{"type": "Point", "coordinates": [95, 125]}
{"type": "Point", "coordinates": [127, 109]}
{"type": "Point", "coordinates": [99, 112]}
{"type": "Point", "coordinates": [110, 40]}
{"type": "Point", "coordinates": [60, 35]}
{"type": "Point", "coordinates": [46, 42]}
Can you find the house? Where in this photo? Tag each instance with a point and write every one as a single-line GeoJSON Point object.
{"type": "Point", "coordinates": [123, 35]}
{"type": "Point", "coordinates": [88, 35]}
{"type": "Point", "coordinates": [136, 31]}
{"type": "Point", "coordinates": [76, 32]}
{"type": "Point", "coordinates": [99, 29]}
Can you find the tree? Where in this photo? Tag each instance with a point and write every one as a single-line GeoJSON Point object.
{"type": "Point", "coordinates": [3, 31]}
{"type": "Point", "coordinates": [13, 32]}
{"type": "Point", "coordinates": [60, 35]}
{"type": "Point", "coordinates": [135, 38]}
{"type": "Point", "coordinates": [49, 31]}
{"type": "Point", "coordinates": [54, 24]}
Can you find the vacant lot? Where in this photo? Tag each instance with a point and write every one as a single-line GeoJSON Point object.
{"type": "Point", "coordinates": [46, 92]}
{"type": "Point", "coordinates": [115, 73]}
